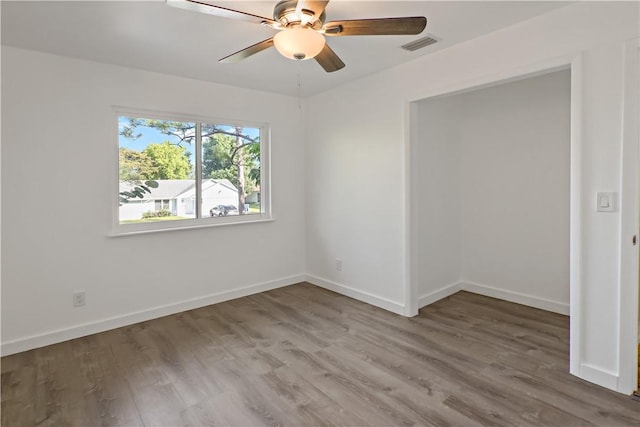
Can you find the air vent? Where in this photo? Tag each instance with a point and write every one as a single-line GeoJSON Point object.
{"type": "Point", "coordinates": [420, 43]}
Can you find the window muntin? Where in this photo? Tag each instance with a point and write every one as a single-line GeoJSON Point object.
{"type": "Point", "coordinates": [187, 172]}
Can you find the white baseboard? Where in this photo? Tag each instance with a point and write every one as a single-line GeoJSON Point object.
{"type": "Point", "coordinates": [383, 303]}
{"type": "Point", "coordinates": [60, 335]}
{"type": "Point", "coordinates": [524, 299]}
{"type": "Point", "coordinates": [441, 293]}
{"type": "Point", "coordinates": [599, 376]}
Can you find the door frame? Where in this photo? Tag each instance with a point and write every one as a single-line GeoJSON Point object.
{"type": "Point", "coordinates": [629, 222]}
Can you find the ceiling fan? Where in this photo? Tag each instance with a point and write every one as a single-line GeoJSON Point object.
{"type": "Point", "coordinates": [302, 29]}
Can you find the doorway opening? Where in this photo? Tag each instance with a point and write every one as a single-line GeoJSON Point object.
{"type": "Point", "coordinates": [492, 173]}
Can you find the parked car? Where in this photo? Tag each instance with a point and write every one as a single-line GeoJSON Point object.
{"type": "Point", "coordinates": [223, 210]}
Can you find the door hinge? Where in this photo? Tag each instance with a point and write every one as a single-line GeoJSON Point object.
{"type": "Point", "coordinates": [634, 240]}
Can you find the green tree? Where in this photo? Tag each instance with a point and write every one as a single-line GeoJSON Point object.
{"type": "Point", "coordinates": [216, 157]}
{"type": "Point", "coordinates": [222, 159]}
{"type": "Point", "coordinates": [171, 161]}
{"type": "Point", "coordinates": [137, 169]}
{"type": "Point", "coordinates": [136, 166]}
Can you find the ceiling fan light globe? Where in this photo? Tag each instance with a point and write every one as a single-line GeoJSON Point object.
{"type": "Point", "coordinates": [299, 43]}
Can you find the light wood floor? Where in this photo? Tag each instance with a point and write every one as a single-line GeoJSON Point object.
{"type": "Point", "coordinates": [302, 355]}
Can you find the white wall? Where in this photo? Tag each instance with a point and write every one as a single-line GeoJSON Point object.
{"type": "Point", "coordinates": [360, 156]}
{"type": "Point", "coordinates": [436, 197]}
{"type": "Point", "coordinates": [515, 160]}
{"type": "Point", "coordinates": [490, 187]}
{"type": "Point", "coordinates": [354, 187]}
{"type": "Point", "coordinates": [59, 143]}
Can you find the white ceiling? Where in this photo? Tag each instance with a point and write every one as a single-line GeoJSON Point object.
{"type": "Point", "coordinates": [149, 35]}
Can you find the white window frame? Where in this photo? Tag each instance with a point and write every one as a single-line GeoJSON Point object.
{"type": "Point", "coordinates": [118, 229]}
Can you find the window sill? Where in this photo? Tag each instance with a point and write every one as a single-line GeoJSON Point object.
{"type": "Point", "coordinates": [121, 230]}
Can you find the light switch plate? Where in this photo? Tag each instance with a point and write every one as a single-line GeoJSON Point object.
{"type": "Point", "coordinates": [606, 202]}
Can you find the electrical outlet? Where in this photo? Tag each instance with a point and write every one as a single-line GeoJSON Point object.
{"type": "Point", "coordinates": [338, 264]}
{"type": "Point", "coordinates": [79, 299]}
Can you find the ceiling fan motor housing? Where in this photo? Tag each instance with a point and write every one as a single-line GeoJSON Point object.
{"type": "Point", "coordinates": [285, 13]}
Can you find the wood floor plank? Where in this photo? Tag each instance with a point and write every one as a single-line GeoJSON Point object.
{"type": "Point", "coordinates": [305, 356]}
{"type": "Point", "coordinates": [313, 405]}
{"type": "Point", "coordinates": [160, 405]}
{"type": "Point", "coordinates": [426, 405]}
{"type": "Point", "coordinates": [596, 412]}
{"type": "Point", "coordinates": [449, 378]}
{"type": "Point", "coordinates": [18, 389]}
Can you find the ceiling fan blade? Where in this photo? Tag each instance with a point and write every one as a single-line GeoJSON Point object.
{"type": "Point", "coordinates": [247, 52]}
{"type": "Point", "coordinates": [328, 60]}
{"type": "Point", "coordinates": [376, 27]}
{"type": "Point", "coordinates": [224, 12]}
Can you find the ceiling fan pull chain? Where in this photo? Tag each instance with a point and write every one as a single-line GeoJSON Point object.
{"type": "Point", "coordinates": [299, 88]}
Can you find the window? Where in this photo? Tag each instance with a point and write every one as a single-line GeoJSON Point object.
{"type": "Point", "coordinates": [185, 173]}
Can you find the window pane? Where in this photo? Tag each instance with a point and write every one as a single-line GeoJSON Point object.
{"type": "Point", "coordinates": [157, 170]}
{"type": "Point", "coordinates": [230, 180]}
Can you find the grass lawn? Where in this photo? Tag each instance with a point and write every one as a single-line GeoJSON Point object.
{"type": "Point", "coordinates": [161, 218]}
{"type": "Point", "coordinates": [254, 208]}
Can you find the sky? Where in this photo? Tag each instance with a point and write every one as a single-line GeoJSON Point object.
{"type": "Point", "coordinates": [149, 136]}
{"type": "Point", "coordinates": [153, 136]}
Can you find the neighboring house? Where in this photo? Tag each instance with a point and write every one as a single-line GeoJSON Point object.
{"type": "Point", "coordinates": [253, 197]}
{"type": "Point", "coordinates": [178, 197]}
{"type": "Point", "coordinates": [214, 192]}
